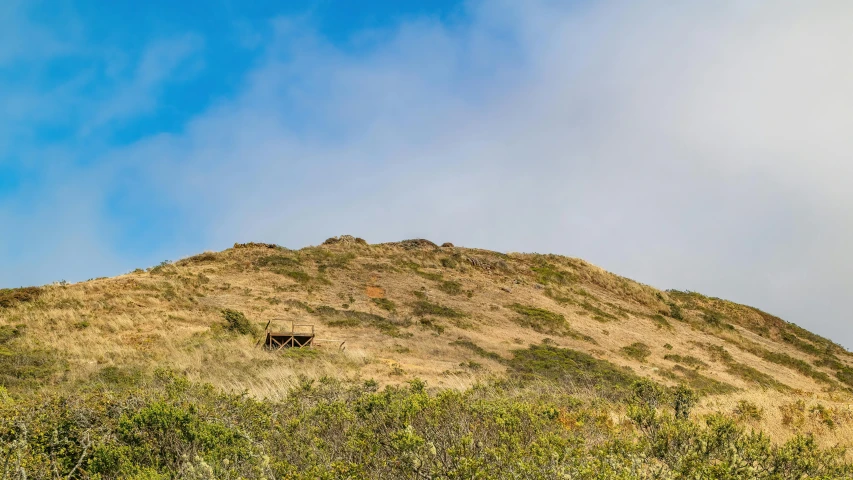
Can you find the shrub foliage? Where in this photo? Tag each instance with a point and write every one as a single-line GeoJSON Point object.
{"type": "Point", "coordinates": [167, 427]}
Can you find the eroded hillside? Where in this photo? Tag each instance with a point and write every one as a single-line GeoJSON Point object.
{"type": "Point", "coordinates": [393, 312]}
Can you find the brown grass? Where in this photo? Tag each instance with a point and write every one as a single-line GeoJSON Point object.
{"type": "Point", "coordinates": [171, 316]}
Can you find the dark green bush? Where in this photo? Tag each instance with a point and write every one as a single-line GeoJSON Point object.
{"type": "Point", "coordinates": [238, 323]}
{"type": "Point", "coordinates": [638, 351]}
{"type": "Point", "coordinates": [384, 304]}
{"type": "Point", "coordinates": [425, 307]}
{"type": "Point", "coordinates": [539, 319]}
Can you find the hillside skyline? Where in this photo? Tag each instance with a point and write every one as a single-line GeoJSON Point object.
{"type": "Point", "coordinates": [698, 147]}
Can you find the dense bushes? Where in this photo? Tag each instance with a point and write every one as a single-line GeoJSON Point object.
{"type": "Point", "coordinates": [170, 428]}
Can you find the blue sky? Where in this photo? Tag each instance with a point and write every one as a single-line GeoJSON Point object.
{"type": "Point", "coordinates": [700, 146]}
{"type": "Point", "coordinates": [83, 79]}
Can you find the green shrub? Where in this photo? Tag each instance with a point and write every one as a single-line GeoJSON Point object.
{"type": "Point", "coordinates": [448, 262]}
{"type": "Point", "coordinates": [384, 304]}
{"type": "Point", "coordinates": [425, 307]}
{"type": "Point", "coordinates": [675, 312]}
{"type": "Point", "coordinates": [430, 324]}
{"type": "Point", "coordinates": [746, 410]}
{"type": "Point", "coordinates": [755, 377]}
{"type": "Point", "coordinates": [688, 360]}
{"type": "Point", "coordinates": [468, 344]}
{"type": "Point", "coordinates": [169, 427]}
{"type": "Point", "coordinates": [702, 384]}
{"type": "Point", "coordinates": [597, 313]}
{"type": "Point", "coordinates": [297, 275]}
{"type": "Point", "coordinates": [450, 287]}
{"type": "Point", "coordinates": [572, 367]}
{"type": "Point", "coordinates": [638, 351]}
{"type": "Point", "coordinates": [796, 364]}
{"type": "Point", "coordinates": [547, 273]}
{"type": "Point", "coordinates": [743, 371]}
{"type": "Point", "coordinates": [661, 322]}
{"type": "Point", "coordinates": [539, 319]}
{"type": "Point", "coordinates": [238, 323]}
{"type": "Point", "coordinates": [354, 318]}
{"type": "Point", "coordinates": [683, 401]}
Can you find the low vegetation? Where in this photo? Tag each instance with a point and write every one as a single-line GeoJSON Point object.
{"type": "Point", "coordinates": [539, 319]}
{"type": "Point", "coordinates": [168, 427]}
{"type": "Point", "coordinates": [10, 297]}
{"type": "Point", "coordinates": [530, 388]}
{"type": "Point", "coordinates": [688, 360]}
{"type": "Point", "coordinates": [351, 318]}
{"type": "Point", "coordinates": [568, 366]}
{"type": "Point", "coordinates": [639, 351]}
{"type": "Point", "coordinates": [425, 307]}
{"type": "Point", "coordinates": [238, 323]}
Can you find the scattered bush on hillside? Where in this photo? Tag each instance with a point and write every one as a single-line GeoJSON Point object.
{"type": "Point", "coordinates": [468, 344]}
{"type": "Point", "coordinates": [746, 410]}
{"type": "Point", "coordinates": [547, 273]}
{"type": "Point", "coordinates": [559, 297]}
{"type": "Point", "coordinates": [539, 319]}
{"type": "Point", "coordinates": [352, 318]}
{"type": "Point", "coordinates": [425, 307]}
{"type": "Point", "coordinates": [793, 413]}
{"type": "Point", "coordinates": [695, 380]}
{"type": "Point", "coordinates": [638, 351]}
{"type": "Point", "coordinates": [450, 287]}
{"type": "Point", "coordinates": [755, 377]}
{"type": "Point", "coordinates": [688, 360]}
{"type": "Point", "coordinates": [384, 304]}
{"type": "Point", "coordinates": [675, 312]}
{"type": "Point", "coordinates": [781, 358]}
{"type": "Point", "coordinates": [11, 297]}
{"type": "Point", "coordinates": [683, 401]}
{"type": "Point", "coordinates": [661, 322]}
{"type": "Point", "coordinates": [237, 322]}
{"type": "Point", "coordinates": [597, 313]}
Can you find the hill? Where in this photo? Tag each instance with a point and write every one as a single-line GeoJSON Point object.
{"type": "Point", "coordinates": [452, 318]}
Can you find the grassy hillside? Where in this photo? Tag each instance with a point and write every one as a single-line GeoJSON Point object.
{"type": "Point", "coordinates": [413, 315]}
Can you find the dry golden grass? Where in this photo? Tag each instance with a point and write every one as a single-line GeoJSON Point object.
{"type": "Point", "coordinates": [171, 316]}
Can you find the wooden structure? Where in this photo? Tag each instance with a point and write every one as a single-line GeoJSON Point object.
{"type": "Point", "coordinates": [300, 335]}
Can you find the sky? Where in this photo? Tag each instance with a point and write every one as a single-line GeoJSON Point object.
{"type": "Point", "coordinates": [700, 146]}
